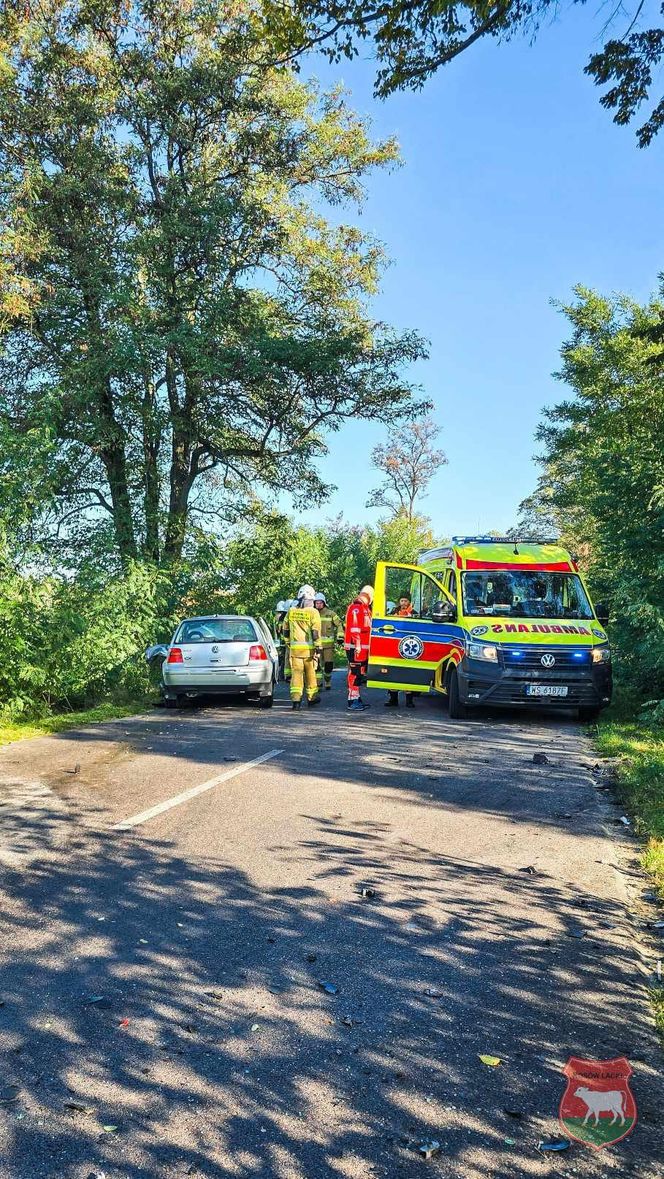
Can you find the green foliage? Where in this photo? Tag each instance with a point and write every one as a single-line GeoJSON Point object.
{"type": "Point", "coordinates": [638, 747]}
{"type": "Point", "coordinates": [73, 642]}
{"type": "Point", "coordinates": [181, 319]}
{"type": "Point", "coordinates": [413, 38]}
{"type": "Point", "coordinates": [604, 471]}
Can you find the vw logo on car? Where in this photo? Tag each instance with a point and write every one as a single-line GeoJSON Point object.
{"type": "Point", "coordinates": [411, 647]}
{"type": "Point", "coordinates": [548, 660]}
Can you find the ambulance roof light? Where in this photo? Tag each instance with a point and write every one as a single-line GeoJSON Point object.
{"type": "Point", "coordinates": [460, 540]}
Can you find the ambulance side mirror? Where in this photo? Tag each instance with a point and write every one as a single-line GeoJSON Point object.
{"type": "Point", "coordinates": [443, 611]}
{"type": "Point", "coordinates": [602, 612]}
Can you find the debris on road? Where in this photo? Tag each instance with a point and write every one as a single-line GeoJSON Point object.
{"type": "Point", "coordinates": [124, 1023]}
{"type": "Point", "coordinates": [576, 932]}
{"type": "Point", "coordinates": [625, 821]}
{"type": "Point", "coordinates": [367, 892]}
{"type": "Point", "coordinates": [432, 993]}
{"type": "Point", "coordinates": [490, 1061]}
{"type": "Point", "coordinates": [509, 1141]}
{"type": "Point", "coordinates": [530, 869]}
{"type": "Point", "coordinates": [311, 957]}
{"type": "Point", "coordinates": [560, 1144]}
{"type": "Point", "coordinates": [76, 769]}
{"type": "Point", "coordinates": [513, 1113]}
{"type": "Point", "coordinates": [540, 759]}
{"type": "Point", "coordinates": [110, 1129]}
{"type": "Point", "coordinates": [428, 1148]}
{"type": "Point", "coordinates": [328, 987]}
{"type": "Point", "coordinates": [77, 1106]}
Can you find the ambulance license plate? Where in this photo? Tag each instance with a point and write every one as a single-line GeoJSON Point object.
{"type": "Point", "coordinates": [546, 690]}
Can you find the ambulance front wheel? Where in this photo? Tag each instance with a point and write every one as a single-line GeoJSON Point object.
{"type": "Point", "coordinates": [587, 715]}
{"type": "Point", "coordinates": [457, 710]}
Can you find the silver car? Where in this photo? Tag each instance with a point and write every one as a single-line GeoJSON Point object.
{"type": "Point", "coordinates": [218, 654]}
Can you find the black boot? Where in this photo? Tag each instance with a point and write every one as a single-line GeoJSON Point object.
{"type": "Point", "coordinates": [296, 705]}
{"type": "Point", "coordinates": [392, 700]}
{"type": "Point", "coordinates": [312, 703]}
{"type": "Point", "coordinates": [410, 700]}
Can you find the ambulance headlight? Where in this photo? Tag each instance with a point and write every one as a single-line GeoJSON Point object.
{"type": "Point", "coordinates": [601, 655]}
{"type": "Point", "coordinates": [482, 651]}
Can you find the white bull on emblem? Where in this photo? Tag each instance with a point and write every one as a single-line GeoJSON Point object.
{"type": "Point", "coordinates": [598, 1103]}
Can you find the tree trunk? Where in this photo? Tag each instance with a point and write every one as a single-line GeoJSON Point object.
{"type": "Point", "coordinates": [112, 437]}
{"type": "Point", "coordinates": [180, 475]}
{"type": "Point", "coordinates": [151, 444]}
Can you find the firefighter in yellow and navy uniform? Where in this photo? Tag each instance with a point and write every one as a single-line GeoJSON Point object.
{"type": "Point", "coordinates": [302, 629]}
{"type": "Point", "coordinates": [332, 632]}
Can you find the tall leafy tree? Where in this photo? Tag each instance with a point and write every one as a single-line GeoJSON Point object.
{"type": "Point", "coordinates": [412, 39]}
{"type": "Point", "coordinates": [182, 322]}
{"type": "Point", "coordinates": [603, 460]}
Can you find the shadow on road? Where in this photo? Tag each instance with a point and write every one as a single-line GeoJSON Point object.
{"type": "Point", "coordinates": [181, 1006]}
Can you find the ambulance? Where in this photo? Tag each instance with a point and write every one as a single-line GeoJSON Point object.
{"type": "Point", "coordinates": [493, 622]}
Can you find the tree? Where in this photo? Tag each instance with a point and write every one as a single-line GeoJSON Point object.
{"type": "Point", "coordinates": [182, 324]}
{"type": "Point", "coordinates": [409, 462]}
{"type": "Point", "coordinates": [414, 38]}
{"type": "Point", "coordinates": [603, 462]}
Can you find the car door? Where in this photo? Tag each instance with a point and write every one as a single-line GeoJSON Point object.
{"type": "Point", "coordinates": [270, 645]}
{"type": "Point", "coordinates": [404, 652]}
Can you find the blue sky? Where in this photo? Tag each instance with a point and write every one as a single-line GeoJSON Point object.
{"type": "Point", "coordinates": [516, 185]}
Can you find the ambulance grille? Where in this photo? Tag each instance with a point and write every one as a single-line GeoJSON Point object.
{"type": "Point", "coordinates": [531, 657]}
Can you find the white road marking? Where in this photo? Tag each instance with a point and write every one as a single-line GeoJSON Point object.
{"type": "Point", "coordinates": [193, 792]}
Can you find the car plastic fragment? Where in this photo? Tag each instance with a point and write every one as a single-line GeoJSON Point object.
{"type": "Point", "coordinates": [428, 1148]}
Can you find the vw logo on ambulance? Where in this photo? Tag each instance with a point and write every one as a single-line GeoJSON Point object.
{"type": "Point", "coordinates": [548, 660]}
{"type": "Point", "coordinates": [411, 647]}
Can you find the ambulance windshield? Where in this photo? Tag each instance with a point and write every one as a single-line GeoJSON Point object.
{"type": "Point", "coordinates": [521, 593]}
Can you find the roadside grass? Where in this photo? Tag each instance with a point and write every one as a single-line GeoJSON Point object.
{"type": "Point", "coordinates": [657, 999]}
{"type": "Point", "coordinates": [13, 730]}
{"type": "Point", "coordinates": [638, 747]}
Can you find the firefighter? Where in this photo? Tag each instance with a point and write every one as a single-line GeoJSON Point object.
{"type": "Point", "coordinates": [356, 642]}
{"type": "Point", "coordinates": [332, 632]}
{"type": "Point", "coordinates": [404, 610]}
{"type": "Point", "coordinates": [302, 629]}
{"type": "Point", "coordinates": [280, 613]}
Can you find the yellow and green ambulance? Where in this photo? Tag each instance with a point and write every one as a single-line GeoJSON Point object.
{"type": "Point", "coordinates": [491, 622]}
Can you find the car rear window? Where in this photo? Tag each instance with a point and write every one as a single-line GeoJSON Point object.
{"type": "Point", "coordinates": [216, 630]}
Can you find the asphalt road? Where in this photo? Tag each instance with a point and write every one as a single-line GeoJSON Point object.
{"type": "Point", "coordinates": [163, 1014]}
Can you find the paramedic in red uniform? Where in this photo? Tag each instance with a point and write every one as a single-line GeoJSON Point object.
{"type": "Point", "coordinates": [356, 642]}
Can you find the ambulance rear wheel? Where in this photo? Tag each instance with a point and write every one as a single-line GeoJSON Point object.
{"type": "Point", "coordinates": [457, 710]}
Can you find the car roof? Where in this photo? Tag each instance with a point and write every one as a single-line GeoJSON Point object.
{"type": "Point", "coordinates": [218, 618]}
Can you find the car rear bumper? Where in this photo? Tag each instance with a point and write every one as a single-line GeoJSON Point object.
{"type": "Point", "coordinates": [225, 681]}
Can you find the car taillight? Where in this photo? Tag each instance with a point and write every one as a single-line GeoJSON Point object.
{"type": "Point", "coordinates": [257, 652]}
{"type": "Point", "coordinates": [175, 655]}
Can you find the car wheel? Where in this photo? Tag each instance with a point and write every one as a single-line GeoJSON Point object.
{"type": "Point", "coordinates": [457, 710]}
{"type": "Point", "coordinates": [170, 701]}
{"type": "Point", "coordinates": [587, 715]}
{"type": "Point", "coordinates": [266, 701]}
